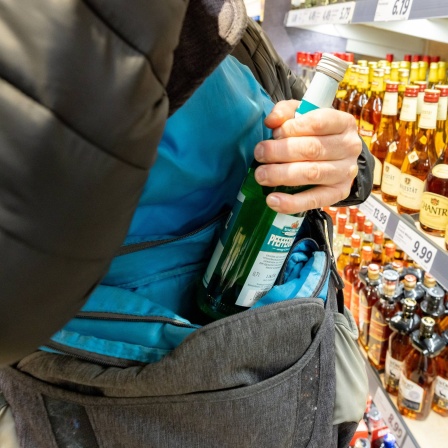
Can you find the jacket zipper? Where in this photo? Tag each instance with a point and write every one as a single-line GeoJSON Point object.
{"type": "Point", "coordinates": [131, 248]}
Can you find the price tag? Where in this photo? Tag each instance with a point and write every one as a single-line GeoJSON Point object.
{"type": "Point", "coordinates": [387, 10]}
{"type": "Point", "coordinates": [376, 212]}
{"type": "Point", "coordinates": [320, 15]}
{"type": "Point", "coordinates": [390, 416]}
{"type": "Point", "coordinates": [415, 246]}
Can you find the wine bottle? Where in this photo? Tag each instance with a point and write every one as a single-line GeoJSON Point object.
{"type": "Point", "coordinates": [256, 240]}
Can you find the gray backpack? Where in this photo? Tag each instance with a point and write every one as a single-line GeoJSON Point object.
{"type": "Point", "coordinates": [276, 376]}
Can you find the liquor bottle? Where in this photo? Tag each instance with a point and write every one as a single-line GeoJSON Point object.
{"type": "Point", "coordinates": [347, 249]}
{"type": "Point", "coordinates": [360, 222]}
{"type": "Point", "coordinates": [441, 131]}
{"type": "Point", "coordinates": [396, 151]}
{"type": "Point", "coordinates": [442, 72]}
{"type": "Point", "coordinates": [371, 112]}
{"type": "Point", "coordinates": [387, 132]}
{"type": "Point", "coordinates": [411, 289]}
{"type": "Point", "coordinates": [256, 240]}
{"type": "Point", "coordinates": [423, 70]}
{"type": "Point", "coordinates": [394, 67]}
{"type": "Point", "coordinates": [433, 215]}
{"type": "Point", "coordinates": [413, 74]}
{"type": "Point", "coordinates": [368, 296]}
{"type": "Point", "coordinates": [422, 86]}
{"type": "Point", "coordinates": [420, 157]}
{"type": "Point", "coordinates": [440, 402]}
{"type": "Point", "coordinates": [339, 238]}
{"type": "Point", "coordinates": [360, 98]}
{"type": "Point", "coordinates": [403, 79]}
{"type": "Point", "coordinates": [433, 76]}
{"type": "Point", "coordinates": [352, 212]}
{"type": "Point", "coordinates": [378, 241]}
{"type": "Point", "coordinates": [352, 88]}
{"type": "Point", "coordinates": [433, 305]}
{"type": "Point", "coordinates": [379, 330]}
{"type": "Point", "coordinates": [402, 325]}
{"type": "Point", "coordinates": [367, 239]}
{"type": "Point", "coordinates": [357, 277]}
{"type": "Point", "coordinates": [350, 269]}
{"type": "Point", "coordinates": [388, 254]}
{"type": "Point", "coordinates": [342, 88]}
{"type": "Point", "coordinates": [419, 371]}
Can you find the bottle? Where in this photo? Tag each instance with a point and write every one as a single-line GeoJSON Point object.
{"type": "Point", "coordinates": [360, 222]}
{"type": "Point", "coordinates": [256, 240]}
{"type": "Point", "coordinates": [397, 151]}
{"type": "Point", "coordinates": [423, 69]}
{"type": "Point", "coordinates": [419, 371]}
{"type": "Point", "coordinates": [422, 86]}
{"type": "Point", "coordinates": [413, 74]}
{"type": "Point", "coordinates": [433, 76]}
{"type": "Point", "coordinates": [402, 325]}
{"type": "Point", "coordinates": [352, 212]}
{"type": "Point", "coordinates": [360, 98]}
{"type": "Point", "coordinates": [442, 72]}
{"type": "Point", "coordinates": [433, 306]}
{"type": "Point", "coordinates": [367, 239]}
{"type": "Point", "coordinates": [411, 290]}
{"type": "Point", "coordinates": [351, 268]}
{"type": "Point", "coordinates": [420, 157]}
{"type": "Point", "coordinates": [378, 241]}
{"type": "Point", "coordinates": [440, 402]}
{"type": "Point", "coordinates": [342, 88]}
{"type": "Point", "coordinates": [371, 111]}
{"type": "Point", "coordinates": [388, 254]}
{"type": "Point", "coordinates": [403, 79]}
{"type": "Point", "coordinates": [441, 124]}
{"type": "Point", "coordinates": [343, 257]}
{"type": "Point", "coordinates": [368, 296]}
{"type": "Point", "coordinates": [352, 88]}
{"type": "Point", "coordinates": [357, 277]}
{"type": "Point", "coordinates": [433, 215]}
{"type": "Point", "coordinates": [339, 238]}
{"type": "Point", "coordinates": [382, 311]}
{"type": "Point", "coordinates": [387, 132]}
{"type": "Point", "coordinates": [389, 441]}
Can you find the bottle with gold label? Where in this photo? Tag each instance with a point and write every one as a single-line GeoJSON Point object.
{"type": "Point", "coordinates": [369, 294]}
{"type": "Point", "coordinates": [379, 330]}
{"type": "Point", "coordinates": [420, 157]}
{"type": "Point", "coordinates": [371, 112]}
{"type": "Point", "coordinates": [419, 371]}
{"type": "Point", "coordinates": [440, 402]}
{"type": "Point", "coordinates": [396, 152]}
{"type": "Point", "coordinates": [433, 76]}
{"type": "Point", "coordinates": [360, 98]}
{"type": "Point", "coordinates": [387, 132]}
{"type": "Point", "coordinates": [441, 125]}
{"type": "Point", "coordinates": [351, 89]}
{"type": "Point", "coordinates": [402, 325]}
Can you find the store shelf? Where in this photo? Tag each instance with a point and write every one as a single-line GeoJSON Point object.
{"type": "Point", "coordinates": [429, 433]}
{"type": "Point", "coordinates": [364, 11]}
{"type": "Point", "coordinates": [426, 250]}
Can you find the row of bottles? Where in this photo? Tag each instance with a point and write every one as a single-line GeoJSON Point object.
{"type": "Point", "coordinates": [405, 127]}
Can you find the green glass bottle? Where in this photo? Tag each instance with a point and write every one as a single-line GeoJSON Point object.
{"type": "Point", "coordinates": [256, 239]}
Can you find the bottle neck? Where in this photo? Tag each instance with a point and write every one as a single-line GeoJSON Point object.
{"type": "Point", "coordinates": [390, 103]}
{"type": "Point", "coordinates": [320, 93]}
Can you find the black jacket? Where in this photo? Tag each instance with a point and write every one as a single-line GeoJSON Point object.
{"type": "Point", "coordinates": [85, 90]}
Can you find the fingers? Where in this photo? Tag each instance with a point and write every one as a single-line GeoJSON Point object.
{"type": "Point", "coordinates": [281, 112]}
{"type": "Point", "coordinates": [315, 197]}
{"type": "Point", "coordinates": [317, 122]}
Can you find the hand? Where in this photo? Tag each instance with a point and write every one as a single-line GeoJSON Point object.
{"type": "Point", "coordinates": [319, 148]}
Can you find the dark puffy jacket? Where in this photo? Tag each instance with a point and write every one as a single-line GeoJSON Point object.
{"type": "Point", "coordinates": [85, 90]}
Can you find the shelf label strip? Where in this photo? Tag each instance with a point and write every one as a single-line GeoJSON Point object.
{"type": "Point", "coordinates": [388, 10]}
{"type": "Point", "coordinates": [321, 15]}
{"type": "Point", "coordinates": [417, 247]}
{"type": "Point", "coordinates": [376, 212]}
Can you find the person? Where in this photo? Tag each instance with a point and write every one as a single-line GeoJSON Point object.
{"type": "Point", "coordinates": [79, 138]}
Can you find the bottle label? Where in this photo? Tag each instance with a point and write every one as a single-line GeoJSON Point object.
{"type": "Point", "coordinates": [434, 211]}
{"type": "Point", "coordinates": [364, 314]}
{"type": "Point", "coordinates": [428, 117]}
{"type": "Point", "coordinates": [392, 371]}
{"type": "Point", "coordinates": [377, 172]}
{"type": "Point", "coordinates": [270, 259]}
{"type": "Point", "coordinates": [442, 107]}
{"type": "Point", "coordinates": [410, 395]}
{"type": "Point", "coordinates": [409, 109]}
{"type": "Point", "coordinates": [354, 305]}
{"type": "Point", "coordinates": [441, 393]}
{"type": "Point", "coordinates": [440, 170]}
{"type": "Point", "coordinates": [391, 176]}
{"type": "Point", "coordinates": [379, 332]}
{"type": "Point", "coordinates": [390, 104]}
{"type": "Point", "coordinates": [410, 191]}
